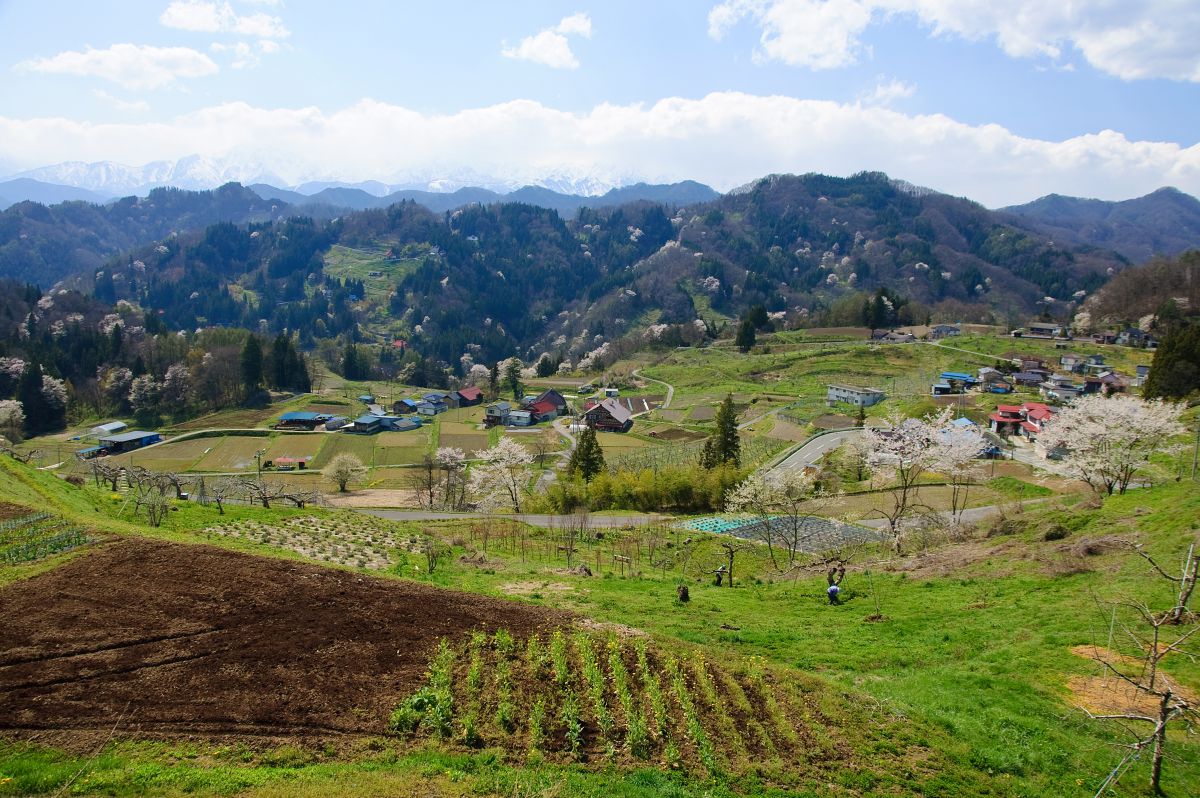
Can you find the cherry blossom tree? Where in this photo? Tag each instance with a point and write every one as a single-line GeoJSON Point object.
{"type": "Point", "coordinates": [144, 393]}
{"type": "Point", "coordinates": [344, 469]}
{"type": "Point", "coordinates": [500, 479]}
{"type": "Point", "coordinates": [1107, 440]}
{"type": "Point", "coordinates": [453, 463]}
{"type": "Point", "coordinates": [900, 454]}
{"type": "Point", "coordinates": [12, 419]}
{"type": "Point", "coordinates": [956, 454]}
{"type": "Point", "coordinates": [176, 387]}
{"type": "Point", "coordinates": [783, 501]}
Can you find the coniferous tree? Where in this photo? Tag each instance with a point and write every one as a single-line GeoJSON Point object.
{"type": "Point", "coordinates": [588, 458]}
{"type": "Point", "coordinates": [252, 366]}
{"type": "Point", "coordinates": [512, 377]}
{"type": "Point", "coordinates": [29, 394]}
{"type": "Point", "coordinates": [745, 336]}
{"type": "Point", "coordinates": [494, 381]}
{"type": "Point", "coordinates": [1175, 371]}
{"type": "Point", "coordinates": [726, 444]}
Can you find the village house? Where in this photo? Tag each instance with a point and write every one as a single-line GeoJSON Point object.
{"type": "Point", "coordinates": [1140, 375]}
{"type": "Point", "coordinates": [469, 396]}
{"type": "Point", "coordinates": [401, 406]}
{"type": "Point", "coordinates": [1132, 336]}
{"type": "Point", "coordinates": [609, 415]}
{"type": "Point", "coordinates": [892, 337]}
{"type": "Point", "coordinates": [1059, 388]}
{"type": "Point", "coordinates": [556, 399]}
{"type": "Point", "coordinates": [939, 331]}
{"type": "Point", "coordinates": [432, 408]}
{"type": "Point", "coordinates": [497, 414]}
{"type": "Point", "coordinates": [994, 381]}
{"type": "Point", "coordinates": [543, 410]}
{"type": "Point", "coordinates": [859, 397]}
{"type": "Point", "coordinates": [520, 418]}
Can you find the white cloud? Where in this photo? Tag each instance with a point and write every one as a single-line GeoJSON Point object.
{"type": "Point", "coordinates": [129, 106]}
{"type": "Point", "coordinates": [724, 139]}
{"type": "Point", "coordinates": [1129, 40]}
{"type": "Point", "coordinates": [203, 16]}
{"type": "Point", "coordinates": [887, 92]}
{"type": "Point", "coordinates": [550, 47]}
{"type": "Point", "coordinates": [132, 66]}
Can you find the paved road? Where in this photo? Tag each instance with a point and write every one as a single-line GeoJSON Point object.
{"type": "Point", "coordinates": [549, 521]}
{"type": "Point", "coordinates": [815, 449]}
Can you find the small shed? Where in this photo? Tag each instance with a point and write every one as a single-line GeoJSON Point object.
{"type": "Point", "coordinates": [520, 418]}
{"type": "Point", "coordinates": [336, 423]}
{"type": "Point", "coordinates": [109, 428]}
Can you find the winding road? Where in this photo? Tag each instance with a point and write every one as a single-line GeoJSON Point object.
{"type": "Point", "coordinates": [816, 448]}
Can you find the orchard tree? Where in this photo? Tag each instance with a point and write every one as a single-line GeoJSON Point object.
{"type": "Point", "coordinates": [782, 500]}
{"type": "Point", "coordinates": [1109, 439]}
{"type": "Point", "coordinates": [501, 476]}
{"type": "Point", "coordinates": [344, 469]}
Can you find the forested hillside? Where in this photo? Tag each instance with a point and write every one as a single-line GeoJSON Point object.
{"type": "Point", "coordinates": [491, 281]}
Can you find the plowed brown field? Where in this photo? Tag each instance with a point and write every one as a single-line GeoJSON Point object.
{"type": "Point", "coordinates": [162, 639]}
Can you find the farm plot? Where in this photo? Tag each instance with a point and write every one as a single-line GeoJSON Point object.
{"type": "Point", "coordinates": [361, 541]}
{"type": "Point", "coordinates": [361, 446]}
{"type": "Point", "coordinates": [464, 415]}
{"type": "Point", "coordinates": [469, 442]}
{"type": "Point", "coordinates": [169, 456]}
{"type": "Point", "coordinates": [231, 453]}
{"type": "Point", "coordinates": [401, 448]}
{"type": "Point", "coordinates": [392, 478]}
{"type": "Point", "coordinates": [202, 641]}
{"type": "Point", "coordinates": [296, 446]}
{"type": "Point", "coordinates": [36, 535]}
{"type": "Point", "coordinates": [576, 696]}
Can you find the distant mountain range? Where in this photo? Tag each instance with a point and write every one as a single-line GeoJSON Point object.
{"type": "Point", "coordinates": [358, 199]}
{"type": "Point", "coordinates": [1165, 222]}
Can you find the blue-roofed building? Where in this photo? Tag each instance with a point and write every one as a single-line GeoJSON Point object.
{"type": "Point", "coordinates": [401, 406]}
{"type": "Point", "coordinates": [368, 424]}
{"type": "Point", "coordinates": [427, 408]}
{"type": "Point", "coordinates": [405, 425]}
{"type": "Point", "coordinates": [299, 419]}
{"type": "Point", "coordinates": [366, 398]}
{"type": "Point", "coordinates": [128, 441]}
{"type": "Point", "coordinates": [960, 376]}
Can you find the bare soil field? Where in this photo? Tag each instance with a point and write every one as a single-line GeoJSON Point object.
{"type": "Point", "coordinates": [163, 639]}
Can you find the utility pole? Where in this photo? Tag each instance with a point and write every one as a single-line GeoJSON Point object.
{"type": "Point", "coordinates": [258, 461]}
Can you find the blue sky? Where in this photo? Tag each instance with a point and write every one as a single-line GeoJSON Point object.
{"type": "Point", "coordinates": [999, 101]}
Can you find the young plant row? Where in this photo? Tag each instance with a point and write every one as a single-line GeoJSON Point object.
{"type": "Point", "coordinates": [578, 695]}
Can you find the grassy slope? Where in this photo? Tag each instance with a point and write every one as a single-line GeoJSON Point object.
{"type": "Point", "coordinates": [978, 658]}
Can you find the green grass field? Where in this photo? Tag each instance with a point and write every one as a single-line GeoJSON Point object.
{"type": "Point", "coordinates": [971, 660]}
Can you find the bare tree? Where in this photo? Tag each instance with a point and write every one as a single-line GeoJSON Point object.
{"type": "Point", "coordinates": [1152, 636]}
{"type": "Point", "coordinates": [453, 464]}
{"type": "Point", "coordinates": [731, 548]}
{"type": "Point", "coordinates": [265, 492]}
{"type": "Point", "coordinates": [221, 490]}
{"type": "Point", "coordinates": [426, 483]}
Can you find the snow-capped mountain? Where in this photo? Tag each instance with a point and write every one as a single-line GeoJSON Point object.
{"type": "Point", "coordinates": [200, 172]}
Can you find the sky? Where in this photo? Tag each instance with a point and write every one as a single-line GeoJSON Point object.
{"type": "Point", "coordinates": [1001, 101]}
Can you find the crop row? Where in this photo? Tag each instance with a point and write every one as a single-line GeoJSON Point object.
{"type": "Point", "coordinates": [48, 535]}
{"type": "Point", "coordinates": [365, 543]}
{"type": "Point", "coordinates": [574, 696]}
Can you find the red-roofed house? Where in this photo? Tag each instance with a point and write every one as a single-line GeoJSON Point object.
{"type": "Point", "coordinates": [469, 396]}
{"type": "Point", "coordinates": [543, 411]}
{"type": "Point", "coordinates": [1006, 420]}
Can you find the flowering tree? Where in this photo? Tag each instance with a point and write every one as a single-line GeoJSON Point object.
{"type": "Point", "coordinates": [1109, 439]}
{"type": "Point", "coordinates": [956, 454]}
{"type": "Point", "coordinates": [783, 501]}
{"type": "Point", "coordinates": [176, 387]}
{"type": "Point", "coordinates": [115, 383]}
{"type": "Point", "coordinates": [144, 393]}
{"type": "Point", "coordinates": [453, 463]}
{"type": "Point", "coordinates": [54, 393]}
{"type": "Point", "coordinates": [12, 419]}
{"type": "Point", "coordinates": [343, 469]}
{"type": "Point", "coordinates": [502, 476]}
{"type": "Point", "coordinates": [901, 453]}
